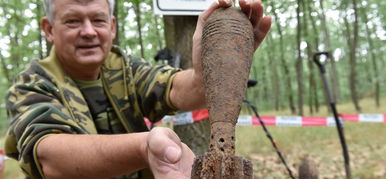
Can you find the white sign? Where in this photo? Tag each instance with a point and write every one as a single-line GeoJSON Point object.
{"type": "Point", "coordinates": [331, 121]}
{"type": "Point", "coordinates": [371, 118]}
{"type": "Point", "coordinates": [244, 121]}
{"type": "Point", "coordinates": [288, 121]}
{"type": "Point", "coordinates": [180, 7]}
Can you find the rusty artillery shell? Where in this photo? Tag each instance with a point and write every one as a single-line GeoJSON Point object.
{"type": "Point", "coordinates": [221, 166]}
{"type": "Point", "coordinates": [227, 51]}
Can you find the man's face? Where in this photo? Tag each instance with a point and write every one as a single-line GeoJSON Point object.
{"type": "Point", "coordinates": [82, 32]}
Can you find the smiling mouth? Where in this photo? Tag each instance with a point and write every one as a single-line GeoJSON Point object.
{"type": "Point", "coordinates": [88, 47]}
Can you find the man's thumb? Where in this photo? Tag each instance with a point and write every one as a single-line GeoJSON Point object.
{"type": "Point", "coordinates": [172, 154]}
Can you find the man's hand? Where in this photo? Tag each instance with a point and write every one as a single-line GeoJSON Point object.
{"type": "Point", "coordinates": [253, 9]}
{"type": "Point", "coordinates": [167, 156]}
{"type": "Point", "coordinates": [261, 24]}
{"type": "Point", "coordinates": [188, 89]}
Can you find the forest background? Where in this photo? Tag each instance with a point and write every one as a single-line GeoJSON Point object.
{"type": "Point", "coordinates": [352, 31]}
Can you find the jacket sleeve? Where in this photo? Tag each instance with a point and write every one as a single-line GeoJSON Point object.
{"type": "Point", "coordinates": [153, 85]}
{"type": "Point", "coordinates": [35, 111]}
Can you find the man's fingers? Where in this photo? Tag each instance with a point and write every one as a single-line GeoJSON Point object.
{"type": "Point", "coordinates": [244, 6]}
{"type": "Point", "coordinates": [205, 14]}
{"type": "Point", "coordinates": [172, 154]}
{"type": "Point", "coordinates": [215, 5]}
{"type": "Point", "coordinates": [257, 12]}
{"type": "Point", "coordinates": [201, 20]}
{"type": "Point", "coordinates": [262, 29]}
{"type": "Point", "coordinates": [253, 9]}
{"type": "Point", "coordinates": [225, 3]}
{"type": "Point", "coordinates": [164, 144]}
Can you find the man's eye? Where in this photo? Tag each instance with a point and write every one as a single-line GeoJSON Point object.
{"type": "Point", "coordinates": [100, 21]}
{"type": "Point", "coordinates": [72, 21]}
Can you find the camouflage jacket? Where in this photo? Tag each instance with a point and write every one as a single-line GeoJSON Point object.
{"type": "Point", "coordinates": [44, 100]}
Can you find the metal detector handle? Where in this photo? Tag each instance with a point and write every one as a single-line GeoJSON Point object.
{"type": "Point", "coordinates": [334, 111]}
{"type": "Point", "coordinates": [322, 68]}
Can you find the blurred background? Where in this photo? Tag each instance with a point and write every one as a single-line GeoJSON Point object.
{"type": "Point", "coordinates": [289, 83]}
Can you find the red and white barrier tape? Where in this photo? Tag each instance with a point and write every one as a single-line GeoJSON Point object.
{"type": "Point", "coordinates": [364, 117]}
{"type": "Point", "coordinates": [296, 121]}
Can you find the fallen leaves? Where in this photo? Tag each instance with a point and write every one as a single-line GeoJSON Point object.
{"type": "Point", "coordinates": [365, 161]}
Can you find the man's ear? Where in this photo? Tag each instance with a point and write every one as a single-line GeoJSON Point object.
{"type": "Point", "coordinates": [113, 27]}
{"type": "Point", "coordinates": [47, 28]}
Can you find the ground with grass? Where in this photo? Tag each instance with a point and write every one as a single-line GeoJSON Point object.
{"type": "Point", "coordinates": [366, 143]}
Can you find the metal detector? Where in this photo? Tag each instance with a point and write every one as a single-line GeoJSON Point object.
{"type": "Point", "coordinates": [332, 102]}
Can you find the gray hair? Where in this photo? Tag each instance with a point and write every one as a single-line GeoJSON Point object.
{"type": "Point", "coordinates": [49, 7]}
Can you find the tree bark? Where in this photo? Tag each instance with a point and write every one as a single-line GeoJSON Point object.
{"type": "Point", "coordinates": [266, 95]}
{"type": "Point", "coordinates": [116, 41]}
{"type": "Point", "coordinates": [299, 62]}
{"type": "Point", "coordinates": [284, 65]}
{"type": "Point", "coordinates": [159, 40]}
{"type": "Point", "coordinates": [156, 24]}
{"type": "Point", "coordinates": [137, 9]}
{"type": "Point", "coordinates": [179, 31]}
{"type": "Point", "coordinates": [275, 74]}
{"type": "Point", "coordinates": [353, 63]}
{"type": "Point", "coordinates": [38, 12]}
{"type": "Point", "coordinates": [334, 73]}
{"type": "Point", "coordinates": [313, 85]}
{"type": "Point", "coordinates": [374, 80]}
{"type": "Point", "coordinates": [311, 80]}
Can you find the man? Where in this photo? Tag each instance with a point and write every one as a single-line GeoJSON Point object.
{"type": "Point", "coordinates": [62, 108]}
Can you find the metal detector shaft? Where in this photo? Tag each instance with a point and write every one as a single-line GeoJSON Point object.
{"type": "Point", "coordinates": [331, 100]}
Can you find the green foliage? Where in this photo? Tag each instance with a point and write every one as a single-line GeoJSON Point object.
{"type": "Point", "coordinates": [151, 28]}
{"type": "Point", "coordinates": [269, 52]}
{"type": "Point", "coordinates": [21, 42]}
{"type": "Point", "coordinates": [365, 142]}
{"type": "Point", "coordinates": [3, 116]}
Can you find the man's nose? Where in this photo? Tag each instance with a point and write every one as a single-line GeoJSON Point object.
{"type": "Point", "coordinates": [88, 30]}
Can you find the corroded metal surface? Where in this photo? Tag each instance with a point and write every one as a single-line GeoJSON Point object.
{"type": "Point", "coordinates": [221, 166]}
{"type": "Point", "coordinates": [227, 51]}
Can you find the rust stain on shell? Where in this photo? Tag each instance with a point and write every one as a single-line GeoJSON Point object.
{"type": "Point", "coordinates": [221, 166]}
{"type": "Point", "coordinates": [227, 51]}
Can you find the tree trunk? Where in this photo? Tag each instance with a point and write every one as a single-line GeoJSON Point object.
{"type": "Point", "coordinates": [311, 80]}
{"type": "Point", "coordinates": [137, 9]}
{"type": "Point", "coordinates": [284, 65]}
{"type": "Point", "coordinates": [179, 32]}
{"type": "Point", "coordinates": [116, 41]}
{"type": "Point", "coordinates": [353, 49]}
{"type": "Point", "coordinates": [13, 33]}
{"type": "Point", "coordinates": [374, 80]}
{"type": "Point", "coordinates": [334, 74]}
{"type": "Point", "coordinates": [275, 74]}
{"type": "Point", "coordinates": [5, 69]}
{"type": "Point", "coordinates": [313, 85]}
{"type": "Point", "coordinates": [299, 63]}
{"type": "Point", "coordinates": [159, 40]}
{"type": "Point", "coordinates": [265, 91]}
{"type": "Point", "coordinates": [38, 13]}
{"type": "Point", "coordinates": [155, 19]}
{"type": "Point", "coordinates": [122, 15]}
